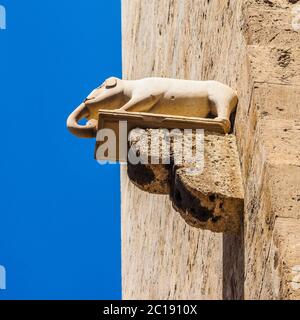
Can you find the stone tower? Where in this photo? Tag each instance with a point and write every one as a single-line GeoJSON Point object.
{"type": "Point", "coordinates": [253, 46]}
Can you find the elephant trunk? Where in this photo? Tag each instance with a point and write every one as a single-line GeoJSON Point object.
{"type": "Point", "coordinates": [89, 130]}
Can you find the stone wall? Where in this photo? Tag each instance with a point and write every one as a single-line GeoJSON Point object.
{"type": "Point", "coordinates": [251, 46]}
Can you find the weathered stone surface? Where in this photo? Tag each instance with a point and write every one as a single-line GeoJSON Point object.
{"type": "Point", "coordinates": [270, 27]}
{"type": "Point", "coordinates": [273, 64]}
{"type": "Point", "coordinates": [221, 40]}
{"type": "Point", "coordinates": [272, 4]}
{"type": "Point", "coordinates": [161, 255]}
{"type": "Point", "coordinates": [284, 257]}
{"type": "Point", "coordinates": [207, 193]}
{"type": "Point", "coordinates": [149, 177]}
{"type": "Point", "coordinates": [272, 108]}
{"type": "Point", "coordinates": [212, 199]}
{"type": "Point", "coordinates": [280, 274]}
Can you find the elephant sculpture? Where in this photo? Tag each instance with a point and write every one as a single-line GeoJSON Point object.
{"type": "Point", "coordinates": [163, 96]}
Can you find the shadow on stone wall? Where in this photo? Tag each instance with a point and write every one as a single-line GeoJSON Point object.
{"type": "Point", "coordinates": [233, 266]}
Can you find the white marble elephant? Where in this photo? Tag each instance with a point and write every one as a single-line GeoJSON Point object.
{"type": "Point", "coordinates": [154, 95]}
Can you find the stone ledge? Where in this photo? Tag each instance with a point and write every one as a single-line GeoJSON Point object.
{"type": "Point", "coordinates": [210, 199]}
{"type": "Point", "coordinates": [282, 270]}
{"type": "Point", "coordinates": [271, 124]}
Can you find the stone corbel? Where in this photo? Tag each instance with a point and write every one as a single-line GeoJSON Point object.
{"type": "Point", "coordinates": [212, 199]}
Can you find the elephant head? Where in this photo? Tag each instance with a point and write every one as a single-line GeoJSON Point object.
{"type": "Point", "coordinates": [108, 96]}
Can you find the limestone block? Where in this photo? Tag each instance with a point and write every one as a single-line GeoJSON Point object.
{"type": "Point", "coordinates": [208, 197]}
{"type": "Point", "coordinates": [282, 272]}
{"type": "Point", "coordinates": [273, 107]}
{"type": "Point", "coordinates": [269, 200]}
{"type": "Point", "coordinates": [270, 27]}
{"type": "Point", "coordinates": [270, 161]}
{"type": "Point", "coordinates": [275, 64]}
{"type": "Point", "coordinates": [287, 244]}
{"type": "Point", "coordinates": [277, 102]}
{"type": "Point", "coordinates": [214, 199]}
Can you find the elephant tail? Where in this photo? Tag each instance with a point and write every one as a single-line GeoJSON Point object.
{"type": "Point", "coordinates": [89, 130]}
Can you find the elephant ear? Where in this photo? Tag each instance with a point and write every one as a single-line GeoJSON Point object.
{"type": "Point", "coordinates": [111, 82]}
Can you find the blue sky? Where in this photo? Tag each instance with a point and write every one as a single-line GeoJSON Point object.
{"type": "Point", "coordinates": [59, 209]}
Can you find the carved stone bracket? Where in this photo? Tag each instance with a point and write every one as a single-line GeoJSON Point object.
{"type": "Point", "coordinates": [207, 192]}
{"type": "Point", "coordinates": [211, 199]}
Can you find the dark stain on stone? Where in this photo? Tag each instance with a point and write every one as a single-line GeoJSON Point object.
{"type": "Point", "coordinates": [284, 58]}
{"type": "Point", "coordinates": [276, 260]}
{"type": "Point", "coordinates": [215, 219]}
{"type": "Point", "coordinates": [265, 114]}
{"type": "Point", "coordinates": [140, 174]}
{"type": "Point", "coordinates": [210, 116]}
{"type": "Point", "coordinates": [212, 197]}
{"type": "Point", "coordinates": [232, 120]}
{"type": "Point", "coordinates": [269, 3]}
{"type": "Point", "coordinates": [186, 202]}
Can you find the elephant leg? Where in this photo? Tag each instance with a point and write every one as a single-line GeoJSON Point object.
{"type": "Point", "coordinates": [224, 107]}
{"type": "Point", "coordinates": [223, 111]}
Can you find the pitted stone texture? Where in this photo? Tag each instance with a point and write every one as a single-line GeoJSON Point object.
{"type": "Point", "coordinates": [212, 199]}
{"type": "Point", "coordinates": [275, 64]}
{"type": "Point", "coordinates": [270, 27]}
{"type": "Point", "coordinates": [272, 4]}
{"type": "Point", "coordinates": [162, 256]}
{"type": "Point", "coordinates": [148, 147]}
{"type": "Point", "coordinates": [209, 193]}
